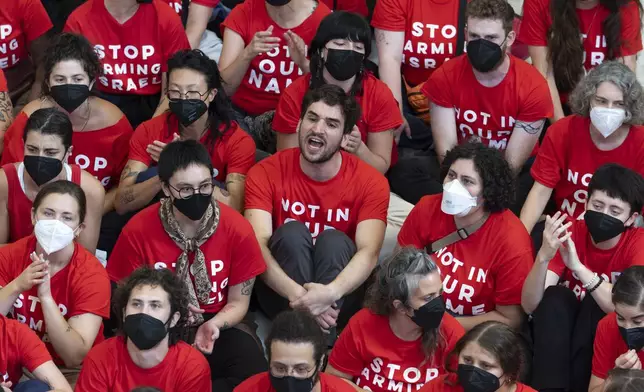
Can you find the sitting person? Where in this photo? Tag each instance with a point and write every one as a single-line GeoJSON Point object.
{"type": "Point", "coordinates": [211, 248]}
{"type": "Point", "coordinates": [318, 213]}
{"type": "Point", "coordinates": [490, 359]}
{"type": "Point", "coordinates": [605, 127]}
{"type": "Point", "coordinates": [482, 248]}
{"type": "Point", "coordinates": [54, 285]}
{"type": "Point", "coordinates": [624, 380]}
{"type": "Point", "coordinates": [403, 329]}
{"type": "Point", "coordinates": [47, 137]}
{"type": "Point", "coordinates": [199, 110]}
{"type": "Point", "coordinates": [296, 351]}
{"type": "Point", "coordinates": [569, 287]}
{"type": "Point", "coordinates": [21, 348]}
{"type": "Point", "coordinates": [151, 305]}
{"type": "Point", "coordinates": [619, 341]}
{"type": "Point", "coordinates": [6, 108]}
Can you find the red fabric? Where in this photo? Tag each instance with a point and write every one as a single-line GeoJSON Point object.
{"type": "Point", "coordinates": [89, 151]}
{"type": "Point", "coordinates": [377, 359]}
{"type": "Point", "coordinates": [380, 111]}
{"type": "Point", "coordinates": [3, 83]}
{"type": "Point", "coordinates": [177, 5]}
{"type": "Point", "coordinates": [21, 22]}
{"type": "Point", "coordinates": [19, 206]}
{"type": "Point", "coordinates": [19, 347]}
{"type": "Point", "coordinates": [568, 158]}
{"type": "Point", "coordinates": [268, 74]}
{"type": "Point", "coordinates": [490, 113]}
{"type": "Point", "coordinates": [232, 253]}
{"type": "Point", "coordinates": [109, 367]}
{"type": "Point", "coordinates": [262, 383]}
{"type": "Point", "coordinates": [449, 383]}
{"type": "Point", "coordinates": [430, 33]}
{"type": "Point", "coordinates": [134, 54]}
{"type": "Point", "coordinates": [486, 269]}
{"type": "Point", "coordinates": [357, 193]}
{"type": "Point", "coordinates": [233, 152]}
{"type": "Point", "coordinates": [357, 6]}
{"type": "Point", "coordinates": [608, 263]}
{"type": "Point", "coordinates": [609, 345]}
{"type": "Point", "coordinates": [81, 287]}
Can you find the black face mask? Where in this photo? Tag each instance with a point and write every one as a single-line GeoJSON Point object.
{"type": "Point", "coordinates": [429, 316]}
{"type": "Point", "coordinates": [474, 379]}
{"type": "Point", "coordinates": [634, 337]}
{"type": "Point", "coordinates": [278, 3]}
{"type": "Point", "coordinates": [188, 110]}
{"type": "Point", "coordinates": [144, 330]}
{"type": "Point", "coordinates": [292, 384]}
{"type": "Point", "coordinates": [144, 1]}
{"type": "Point", "coordinates": [603, 227]}
{"type": "Point", "coordinates": [69, 96]}
{"type": "Point", "coordinates": [42, 169]}
{"type": "Point", "coordinates": [343, 64]}
{"type": "Point", "coordinates": [484, 55]}
{"type": "Point", "coordinates": [193, 207]}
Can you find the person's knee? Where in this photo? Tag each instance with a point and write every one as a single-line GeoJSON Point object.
{"type": "Point", "coordinates": [293, 232]}
{"type": "Point", "coordinates": [556, 300]}
{"type": "Point", "coordinates": [335, 241]}
{"type": "Point", "coordinates": [32, 386]}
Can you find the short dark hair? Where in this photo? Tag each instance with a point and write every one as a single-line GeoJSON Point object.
{"type": "Point", "coordinates": [333, 95]}
{"type": "Point", "coordinates": [69, 46]}
{"type": "Point", "coordinates": [629, 287]}
{"type": "Point", "coordinates": [494, 10]}
{"type": "Point", "coordinates": [63, 187]}
{"type": "Point", "coordinates": [296, 326]}
{"type": "Point", "coordinates": [495, 172]}
{"type": "Point", "coordinates": [181, 154]}
{"type": "Point", "coordinates": [148, 276]}
{"type": "Point", "coordinates": [619, 182]}
{"type": "Point", "coordinates": [50, 121]}
{"type": "Point", "coordinates": [625, 380]}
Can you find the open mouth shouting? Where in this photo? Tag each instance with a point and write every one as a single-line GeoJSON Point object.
{"type": "Point", "coordinates": [315, 144]}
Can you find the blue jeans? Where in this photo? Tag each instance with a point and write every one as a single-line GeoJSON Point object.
{"type": "Point", "coordinates": [32, 386]}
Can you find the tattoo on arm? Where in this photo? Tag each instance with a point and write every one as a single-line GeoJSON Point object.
{"type": "Point", "coordinates": [127, 196]}
{"type": "Point", "coordinates": [225, 326]}
{"type": "Point", "coordinates": [247, 286]}
{"type": "Point", "coordinates": [532, 128]}
{"type": "Point", "coordinates": [5, 107]}
{"type": "Point", "coordinates": [69, 328]}
{"type": "Point", "coordinates": [381, 36]}
{"type": "Point", "coordinates": [127, 173]}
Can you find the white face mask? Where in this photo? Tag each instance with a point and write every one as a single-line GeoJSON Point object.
{"type": "Point", "coordinates": [456, 199]}
{"type": "Point", "coordinates": [607, 120]}
{"type": "Point", "coordinates": [53, 235]}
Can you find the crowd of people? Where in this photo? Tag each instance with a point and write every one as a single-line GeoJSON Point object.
{"type": "Point", "coordinates": [306, 196]}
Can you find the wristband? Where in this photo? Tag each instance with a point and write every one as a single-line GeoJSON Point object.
{"type": "Point", "coordinates": [591, 282]}
{"type": "Point", "coordinates": [601, 280]}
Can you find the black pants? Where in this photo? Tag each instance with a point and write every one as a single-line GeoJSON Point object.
{"type": "Point", "coordinates": [523, 184]}
{"type": "Point", "coordinates": [416, 174]}
{"type": "Point", "coordinates": [563, 331]}
{"type": "Point", "coordinates": [292, 246]}
{"type": "Point", "coordinates": [137, 108]}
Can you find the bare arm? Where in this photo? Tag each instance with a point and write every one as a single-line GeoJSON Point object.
{"type": "Point", "coordinates": [50, 375]}
{"type": "Point", "coordinates": [4, 212]}
{"type": "Point", "coordinates": [6, 116]}
{"type": "Point", "coordinates": [534, 205]}
{"type": "Point", "coordinates": [8, 296]}
{"type": "Point", "coordinates": [286, 140]}
{"type": "Point", "coordinates": [510, 315]}
{"type": "Point", "coordinates": [236, 306]}
{"type": "Point", "coordinates": [108, 203]}
{"type": "Point", "coordinates": [131, 196]}
{"type": "Point", "coordinates": [595, 384]}
{"type": "Point", "coordinates": [37, 51]}
{"type": "Point", "coordinates": [390, 50]}
{"type": "Point", "coordinates": [377, 151]}
{"type": "Point", "coordinates": [539, 56]}
{"type": "Point", "coordinates": [629, 61]}
{"type": "Point", "coordinates": [235, 184]}
{"type": "Point", "coordinates": [95, 194]}
{"type": "Point", "coordinates": [198, 18]}
{"type": "Point", "coordinates": [234, 61]}
{"type": "Point", "coordinates": [346, 377]}
{"type": "Point", "coordinates": [443, 121]}
{"type": "Point", "coordinates": [603, 294]}
{"type": "Point", "coordinates": [537, 281]}
{"type": "Point", "coordinates": [163, 103]}
{"type": "Point", "coordinates": [522, 141]}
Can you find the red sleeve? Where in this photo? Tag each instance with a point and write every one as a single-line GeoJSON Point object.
{"type": "Point", "coordinates": [3, 83]}
{"type": "Point", "coordinates": [139, 143]}
{"type": "Point", "coordinates": [239, 21]}
{"type": "Point", "coordinates": [346, 356]}
{"type": "Point", "coordinates": [14, 147]}
{"type": "Point", "coordinates": [28, 344]}
{"type": "Point", "coordinates": [91, 292]}
{"type": "Point", "coordinates": [121, 149]}
{"type": "Point", "coordinates": [390, 15]}
{"type": "Point", "coordinates": [207, 3]}
{"type": "Point", "coordinates": [173, 33]}
{"type": "Point", "coordinates": [536, 103]}
{"type": "Point", "coordinates": [240, 151]}
{"type": "Point", "coordinates": [287, 113]}
{"type": "Point", "coordinates": [631, 33]}
{"type": "Point", "coordinates": [603, 350]}
{"type": "Point", "coordinates": [93, 376]}
{"type": "Point", "coordinates": [413, 231]}
{"type": "Point", "coordinates": [438, 88]}
{"type": "Point", "coordinates": [126, 255]}
{"type": "Point", "coordinates": [72, 25]}
{"type": "Point", "coordinates": [384, 114]}
{"type": "Point", "coordinates": [510, 275]}
{"type": "Point", "coordinates": [249, 261]}
{"type": "Point", "coordinates": [375, 201]}
{"type": "Point", "coordinates": [35, 20]}
{"type": "Point", "coordinates": [548, 167]}
{"type": "Point", "coordinates": [535, 22]}
{"type": "Point", "coordinates": [193, 372]}
{"type": "Point", "coordinates": [259, 189]}
{"type": "Point", "coordinates": [9, 268]}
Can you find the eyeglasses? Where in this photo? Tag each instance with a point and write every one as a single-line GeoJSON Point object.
{"type": "Point", "coordinates": [280, 371]}
{"type": "Point", "coordinates": [175, 95]}
{"type": "Point", "coordinates": [188, 191]}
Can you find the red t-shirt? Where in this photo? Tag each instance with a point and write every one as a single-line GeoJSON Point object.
{"type": "Point", "coordinates": [108, 367]}
{"type": "Point", "coordinates": [232, 253]}
{"type": "Point", "coordinates": [233, 152]}
{"type": "Point", "coordinates": [3, 83]}
{"type": "Point", "coordinates": [21, 22]}
{"type": "Point", "coordinates": [607, 263]}
{"type": "Point", "coordinates": [483, 271]}
{"type": "Point", "coordinates": [490, 113]}
{"type": "Point", "coordinates": [81, 287]}
{"type": "Point", "coordinates": [357, 6]}
{"type": "Point", "coordinates": [18, 205]}
{"type": "Point", "coordinates": [134, 54]}
{"type": "Point", "coordinates": [19, 347]}
{"type": "Point", "coordinates": [430, 29]}
{"type": "Point", "coordinates": [449, 383]}
{"type": "Point", "coordinates": [378, 360]}
{"type": "Point", "coordinates": [536, 23]}
{"type": "Point", "coordinates": [380, 111]}
{"type": "Point", "coordinates": [262, 383]}
{"type": "Point", "coordinates": [609, 345]}
{"type": "Point", "coordinates": [271, 73]}
{"type": "Point", "coordinates": [357, 193]}
{"type": "Point", "coordinates": [568, 158]}
{"type": "Point", "coordinates": [177, 5]}
{"type": "Point", "coordinates": [102, 153]}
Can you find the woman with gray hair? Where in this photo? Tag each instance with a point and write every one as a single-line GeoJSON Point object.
{"type": "Point", "coordinates": [605, 127]}
{"type": "Point", "coordinates": [401, 339]}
